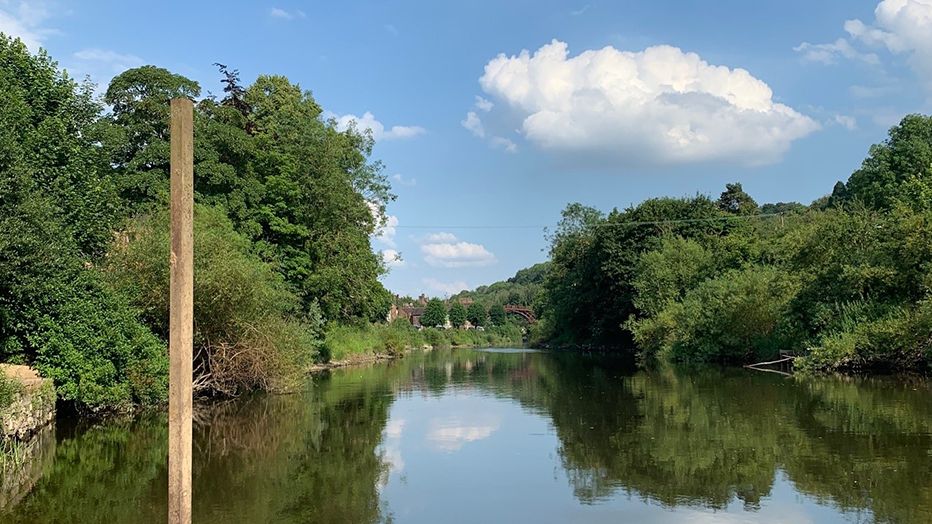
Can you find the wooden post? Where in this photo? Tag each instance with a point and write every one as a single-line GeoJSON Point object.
{"type": "Point", "coordinates": [181, 322]}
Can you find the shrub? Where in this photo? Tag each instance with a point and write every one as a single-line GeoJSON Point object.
{"type": "Point", "coordinates": [248, 333]}
{"type": "Point", "coordinates": [732, 318]}
{"type": "Point", "coordinates": [58, 314]}
{"type": "Point", "coordinates": [899, 338]}
{"type": "Point", "coordinates": [97, 352]}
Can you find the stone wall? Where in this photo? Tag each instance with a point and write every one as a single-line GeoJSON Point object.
{"type": "Point", "coordinates": [32, 406]}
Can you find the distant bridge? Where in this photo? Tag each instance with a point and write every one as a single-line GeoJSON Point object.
{"type": "Point", "coordinates": [522, 311]}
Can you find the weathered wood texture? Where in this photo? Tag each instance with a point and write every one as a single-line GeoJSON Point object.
{"type": "Point", "coordinates": [181, 322]}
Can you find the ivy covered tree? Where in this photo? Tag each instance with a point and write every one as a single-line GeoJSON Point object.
{"type": "Point", "coordinates": [457, 314]}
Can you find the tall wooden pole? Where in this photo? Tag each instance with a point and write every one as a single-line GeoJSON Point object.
{"type": "Point", "coordinates": [181, 323]}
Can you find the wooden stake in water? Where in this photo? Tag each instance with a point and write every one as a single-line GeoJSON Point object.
{"type": "Point", "coordinates": [181, 322]}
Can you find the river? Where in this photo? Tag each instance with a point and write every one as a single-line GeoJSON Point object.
{"type": "Point", "coordinates": [516, 436]}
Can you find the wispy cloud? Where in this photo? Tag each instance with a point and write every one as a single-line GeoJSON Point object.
{"type": "Point", "coordinates": [379, 132]}
{"type": "Point", "coordinates": [446, 288]}
{"type": "Point", "coordinates": [282, 14]}
{"type": "Point", "coordinates": [404, 181]}
{"type": "Point", "coordinates": [473, 124]}
{"type": "Point", "coordinates": [483, 104]}
{"type": "Point", "coordinates": [848, 122]}
{"type": "Point", "coordinates": [829, 53]}
{"type": "Point", "coordinates": [26, 21]}
{"type": "Point", "coordinates": [112, 60]}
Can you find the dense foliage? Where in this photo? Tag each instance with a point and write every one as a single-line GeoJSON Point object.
{"type": "Point", "coordinates": [457, 314]}
{"type": "Point", "coordinates": [435, 313]}
{"type": "Point", "coordinates": [523, 289]}
{"type": "Point", "coordinates": [844, 281]}
{"type": "Point", "coordinates": [286, 206]}
{"type": "Point", "coordinates": [477, 315]}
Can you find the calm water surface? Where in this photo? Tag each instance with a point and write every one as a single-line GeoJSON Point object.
{"type": "Point", "coordinates": [513, 436]}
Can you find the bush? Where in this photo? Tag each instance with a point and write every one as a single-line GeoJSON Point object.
{"type": "Point", "coordinates": [248, 333]}
{"type": "Point", "coordinates": [97, 352]}
{"type": "Point", "coordinates": [898, 339]}
{"type": "Point", "coordinates": [59, 315]}
{"type": "Point", "coordinates": [733, 318]}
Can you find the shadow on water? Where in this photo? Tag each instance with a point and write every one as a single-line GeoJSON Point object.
{"type": "Point", "coordinates": [662, 438]}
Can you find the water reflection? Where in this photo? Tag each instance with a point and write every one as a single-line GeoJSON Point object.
{"type": "Point", "coordinates": [512, 436]}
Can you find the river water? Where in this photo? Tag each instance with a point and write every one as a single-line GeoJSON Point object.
{"type": "Point", "coordinates": [515, 436]}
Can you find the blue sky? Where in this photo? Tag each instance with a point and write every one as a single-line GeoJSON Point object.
{"type": "Point", "coordinates": [613, 102]}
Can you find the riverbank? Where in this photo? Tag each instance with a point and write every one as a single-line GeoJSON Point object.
{"type": "Point", "coordinates": [359, 343]}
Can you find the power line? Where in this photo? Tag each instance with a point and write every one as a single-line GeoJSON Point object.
{"type": "Point", "coordinates": [600, 224]}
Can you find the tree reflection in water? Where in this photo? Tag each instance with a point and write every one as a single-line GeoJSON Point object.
{"type": "Point", "coordinates": [672, 437]}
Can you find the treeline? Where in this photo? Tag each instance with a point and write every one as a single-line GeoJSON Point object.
{"type": "Point", "coordinates": [523, 289]}
{"type": "Point", "coordinates": [844, 281]}
{"type": "Point", "coordinates": [285, 206]}
{"type": "Point", "coordinates": [349, 342]}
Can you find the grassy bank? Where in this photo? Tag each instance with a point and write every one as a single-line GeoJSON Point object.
{"type": "Point", "coordinates": [352, 341]}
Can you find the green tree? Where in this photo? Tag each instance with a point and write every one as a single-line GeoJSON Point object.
{"type": "Point", "coordinates": [589, 289]}
{"type": "Point", "coordinates": [138, 139]}
{"type": "Point", "coordinates": [303, 192]}
{"type": "Point", "coordinates": [905, 154]}
{"type": "Point", "coordinates": [435, 313]}
{"type": "Point", "coordinates": [56, 211]}
{"type": "Point", "coordinates": [497, 315]}
{"type": "Point", "coordinates": [735, 201]}
{"type": "Point", "coordinates": [476, 314]}
{"type": "Point", "coordinates": [783, 208]}
{"type": "Point", "coordinates": [457, 314]}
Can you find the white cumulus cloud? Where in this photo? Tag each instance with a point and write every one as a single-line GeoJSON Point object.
{"type": "Point", "coordinates": [451, 434]}
{"type": "Point", "coordinates": [902, 27]}
{"type": "Point", "coordinates": [379, 131]}
{"type": "Point", "coordinates": [445, 250]}
{"type": "Point", "coordinates": [657, 106]}
{"type": "Point", "coordinates": [440, 237]}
